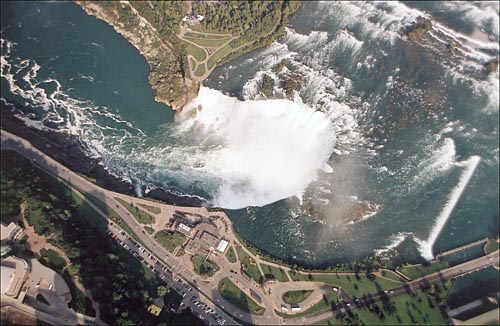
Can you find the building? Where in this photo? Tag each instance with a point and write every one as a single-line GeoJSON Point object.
{"type": "Point", "coordinates": [222, 246]}
{"type": "Point", "coordinates": [5, 250]}
{"type": "Point", "coordinates": [284, 308]}
{"type": "Point", "coordinates": [10, 232]}
{"type": "Point", "coordinates": [13, 272]}
{"type": "Point", "coordinates": [295, 308]}
{"type": "Point", "coordinates": [193, 19]}
{"type": "Point", "coordinates": [154, 310]}
{"type": "Point", "coordinates": [184, 230]}
{"type": "Point", "coordinates": [208, 241]}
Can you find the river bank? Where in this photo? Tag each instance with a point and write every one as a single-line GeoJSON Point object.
{"type": "Point", "coordinates": [69, 151]}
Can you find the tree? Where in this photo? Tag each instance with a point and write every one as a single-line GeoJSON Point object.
{"type": "Point", "coordinates": [161, 290]}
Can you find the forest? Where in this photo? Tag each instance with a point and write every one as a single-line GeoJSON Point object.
{"type": "Point", "coordinates": [116, 280]}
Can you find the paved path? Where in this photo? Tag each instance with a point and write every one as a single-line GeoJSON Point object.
{"type": "Point", "coordinates": [209, 289]}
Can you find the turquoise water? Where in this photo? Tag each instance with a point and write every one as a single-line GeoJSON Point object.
{"type": "Point", "coordinates": [417, 113]}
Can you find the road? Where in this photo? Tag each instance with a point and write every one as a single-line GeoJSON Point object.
{"type": "Point", "coordinates": [182, 279]}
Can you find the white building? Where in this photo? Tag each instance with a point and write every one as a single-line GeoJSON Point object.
{"type": "Point", "coordinates": [222, 246]}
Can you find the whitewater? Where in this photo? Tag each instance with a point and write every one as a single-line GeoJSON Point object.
{"type": "Point", "coordinates": [363, 157]}
{"type": "Point", "coordinates": [268, 150]}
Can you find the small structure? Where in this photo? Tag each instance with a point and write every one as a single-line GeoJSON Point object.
{"type": "Point", "coordinates": [13, 273]}
{"type": "Point", "coordinates": [184, 230]}
{"type": "Point", "coordinates": [193, 19]}
{"type": "Point", "coordinates": [284, 307]}
{"type": "Point", "coordinates": [191, 247]}
{"type": "Point", "coordinates": [222, 246]}
{"type": "Point", "coordinates": [208, 241]}
{"type": "Point", "coordinates": [5, 250]}
{"type": "Point", "coordinates": [154, 310]}
{"type": "Point", "coordinates": [295, 308]}
{"type": "Point", "coordinates": [9, 232]}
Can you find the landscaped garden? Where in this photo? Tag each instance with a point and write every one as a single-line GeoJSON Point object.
{"type": "Point", "coordinates": [295, 297]}
{"type": "Point", "coordinates": [202, 266]}
{"type": "Point", "coordinates": [248, 265]}
{"type": "Point", "coordinates": [279, 274]}
{"type": "Point", "coordinates": [231, 256]}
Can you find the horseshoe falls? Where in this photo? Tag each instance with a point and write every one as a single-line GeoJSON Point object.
{"type": "Point", "coordinates": [364, 143]}
{"type": "Point", "coordinates": [269, 150]}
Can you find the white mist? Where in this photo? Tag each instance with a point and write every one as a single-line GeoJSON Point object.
{"type": "Point", "coordinates": [269, 150]}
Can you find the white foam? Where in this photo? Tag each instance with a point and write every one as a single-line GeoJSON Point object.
{"type": "Point", "coordinates": [268, 150]}
{"type": "Point", "coordinates": [425, 246]}
{"type": "Point", "coordinates": [395, 241]}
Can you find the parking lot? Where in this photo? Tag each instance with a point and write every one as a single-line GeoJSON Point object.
{"type": "Point", "coordinates": [190, 297]}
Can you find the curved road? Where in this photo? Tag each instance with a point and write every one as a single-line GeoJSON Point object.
{"type": "Point", "coordinates": [209, 289]}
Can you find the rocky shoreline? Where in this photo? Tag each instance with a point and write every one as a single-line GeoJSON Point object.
{"type": "Point", "coordinates": [166, 74]}
{"type": "Point", "coordinates": [68, 150]}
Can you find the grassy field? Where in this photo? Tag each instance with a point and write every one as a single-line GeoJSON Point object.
{"type": "Point", "coordinates": [53, 260]}
{"type": "Point", "coordinates": [219, 55]}
{"type": "Point", "coordinates": [210, 42]}
{"type": "Point", "coordinates": [248, 264]}
{"type": "Point", "coordinates": [202, 266]}
{"type": "Point", "coordinates": [231, 256]}
{"type": "Point", "coordinates": [325, 303]}
{"type": "Point", "coordinates": [149, 230]}
{"type": "Point", "coordinates": [152, 209]}
{"type": "Point", "coordinates": [410, 310]}
{"type": "Point", "coordinates": [200, 70]}
{"type": "Point", "coordinates": [170, 241]}
{"type": "Point", "coordinates": [279, 275]}
{"type": "Point", "coordinates": [140, 215]}
{"type": "Point", "coordinates": [196, 52]}
{"type": "Point", "coordinates": [204, 36]}
{"type": "Point", "coordinates": [356, 286]}
{"type": "Point", "coordinates": [294, 297]}
{"type": "Point", "coordinates": [416, 271]}
{"type": "Point", "coordinates": [491, 246]}
{"type": "Point", "coordinates": [239, 299]}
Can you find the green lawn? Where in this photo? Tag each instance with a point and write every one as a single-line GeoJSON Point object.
{"type": "Point", "coordinates": [219, 55]}
{"type": "Point", "coordinates": [196, 52]}
{"type": "Point", "coordinates": [200, 70]}
{"type": "Point", "coordinates": [231, 256]}
{"type": "Point", "coordinates": [416, 271]}
{"type": "Point", "coordinates": [140, 215]}
{"type": "Point", "coordinates": [169, 241]}
{"type": "Point", "coordinates": [212, 43]}
{"type": "Point", "coordinates": [149, 230]}
{"type": "Point", "coordinates": [239, 299]}
{"type": "Point", "coordinates": [325, 303]}
{"type": "Point", "coordinates": [355, 286]}
{"type": "Point", "coordinates": [490, 246]}
{"type": "Point", "coordinates": [152, 209]}
{"type": "Point", "coordinates": [279, 275]}
{"type": "Point", "coordinates": [53, 260]}
{"type": "Point", "coordinates": [204, 36]}
{"type": "Point", "coordinates": [419, 309]}
{"type": "Point", "coordinates": [248, 264]}
{"type": "Point", "coordinates": [202, 266]}
{"type": "Point", "coordinates": [294, 297]}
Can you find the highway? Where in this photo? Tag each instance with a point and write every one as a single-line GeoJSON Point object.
{"type": "Point", "coordinates": [183, 280]}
